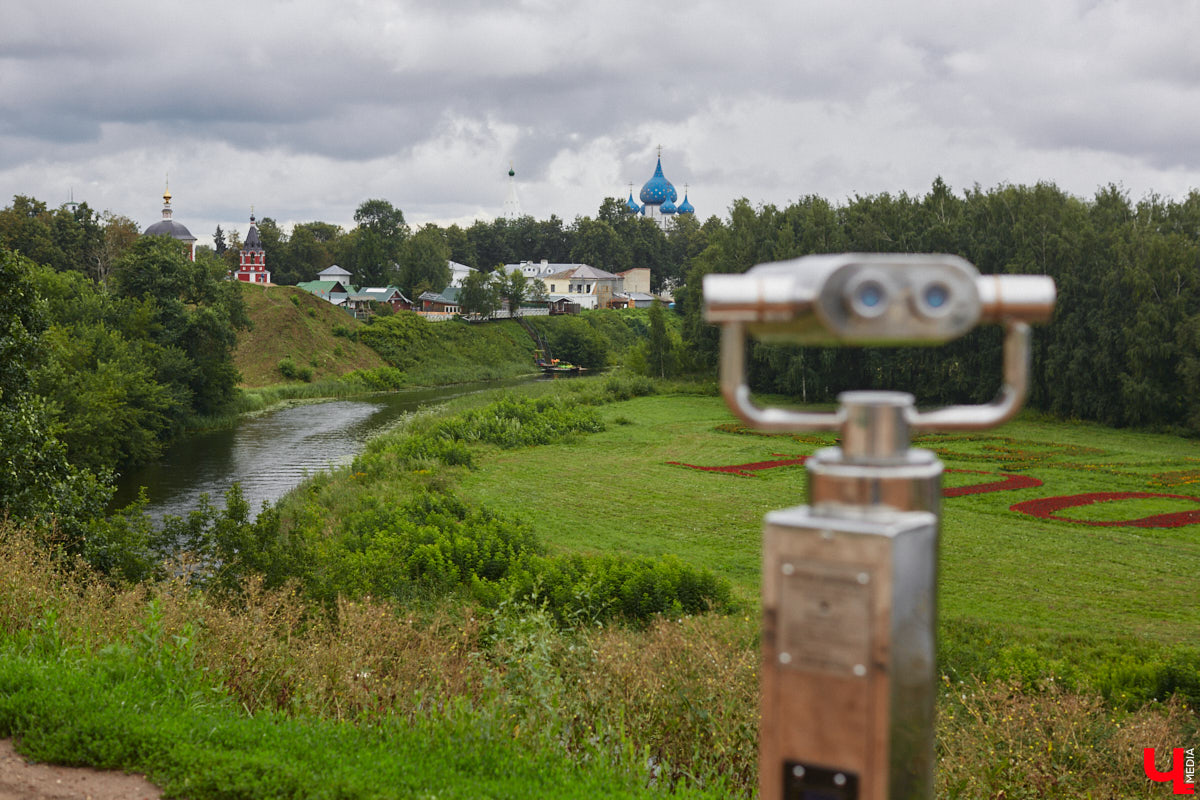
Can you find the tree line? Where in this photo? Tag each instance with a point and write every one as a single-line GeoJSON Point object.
{"type": "Point", "coordinates": [1123, 347]}
{"type": "Point", "coordinates": [383, 250]}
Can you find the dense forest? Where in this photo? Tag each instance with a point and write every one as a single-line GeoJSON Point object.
{"type": "Point", "coordinates": [1123, 347]}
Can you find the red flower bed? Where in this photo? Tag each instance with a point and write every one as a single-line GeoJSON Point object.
{"type": "Point", "coordinates": [1046, 506]}
{"type": "Point", "coordinates": [746, 470]}
{"type": "Point", "coordinates": [1004, 484]}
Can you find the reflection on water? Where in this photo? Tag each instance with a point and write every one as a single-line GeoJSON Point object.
{"type": "Point", "coordinates": [271, 453]}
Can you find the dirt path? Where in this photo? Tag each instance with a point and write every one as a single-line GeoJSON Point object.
{"type": "Point", "coordinates": [20, 780]}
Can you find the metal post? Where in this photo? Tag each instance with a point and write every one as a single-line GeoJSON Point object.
{"type": "Point", "coordinates": [849, 581]}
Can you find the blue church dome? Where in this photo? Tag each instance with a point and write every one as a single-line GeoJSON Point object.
{"type": "Point", "coordinates": [667, 208]}
{"type": "Point", "coordinates": [658, 189]}
{"type": "Point", "coordinates": [632, 204]}
{"type": "Point", "coordinates": [685, 207]}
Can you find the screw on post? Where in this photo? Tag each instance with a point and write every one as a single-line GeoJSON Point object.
{"type": "Point", "coordinates": [848, 587]}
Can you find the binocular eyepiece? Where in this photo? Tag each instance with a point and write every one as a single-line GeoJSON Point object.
{"type": "Point", "coordinates": [873, 298]}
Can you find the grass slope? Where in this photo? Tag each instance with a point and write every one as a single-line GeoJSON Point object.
{"type": "Point", "coordinates": [453, 351]}
{"type": "Point", "coordinates": [291, 323]}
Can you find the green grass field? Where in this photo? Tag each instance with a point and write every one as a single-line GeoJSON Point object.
{"type": "Point", "coordinates": [618, 490]}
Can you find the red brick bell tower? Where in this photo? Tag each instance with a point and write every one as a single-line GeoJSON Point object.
{"type": "Point", "coordinates": [253, 266]}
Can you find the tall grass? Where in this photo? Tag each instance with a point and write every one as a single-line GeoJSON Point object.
{"type": "Point", "coordinates": [217, 697]}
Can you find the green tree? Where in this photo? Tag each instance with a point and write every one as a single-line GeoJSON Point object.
{"type": "Point", "coordinates": [120, 232]}
{"type": "Point", "coordinates": [379, 241]}
{"type": "Point", "coordinates": [660, 352]}
{"type": "Point", "coordinates": [462, 249]}
{"type": "Point", "coordinates": [98, 374]}
{"type": "Point", "coordinates": [194, 314]}
{"type": "Point", "coordinates": [514, 288]}
{"type": "Point", "coordinates": [424, 262]}
{"type": "Point", "coordinates": [537, 291]}
{"type": "Point", "coordinates": [597, 244]}
{"type": "Point", "coordinates": [37, 482]}
{"type": "Point", "coordinates": [574, 341]}
{"type": "Point", "coordinates": [219, 241]}
{"type": "Point", "coordinates": [25, 228]}
{"type": "Point", "coordinates": [310, 249]}
{"type": "Point", "coordinates": [480, 294]}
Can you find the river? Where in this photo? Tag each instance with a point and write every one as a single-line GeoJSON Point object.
{"type": "Point", "coordinates": [272, 452]}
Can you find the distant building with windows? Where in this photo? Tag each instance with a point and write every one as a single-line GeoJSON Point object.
{"type": "Point", "coordinates": [580, 284]}
{"type": "Point", "coordinates": [253, 265]}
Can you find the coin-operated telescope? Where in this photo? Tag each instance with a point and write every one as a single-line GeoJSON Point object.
{"type": "Point", "coordinates": [848, 586]}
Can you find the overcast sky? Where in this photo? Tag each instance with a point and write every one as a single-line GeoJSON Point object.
{"type": "Point", "coordinates": [306, 108]}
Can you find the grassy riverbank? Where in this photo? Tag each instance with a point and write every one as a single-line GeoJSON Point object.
{"type": "Point", "coordinates": [459, 589]}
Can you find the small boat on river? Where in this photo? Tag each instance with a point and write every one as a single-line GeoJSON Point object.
{"type": "Point", "coordinates": [552, 366]}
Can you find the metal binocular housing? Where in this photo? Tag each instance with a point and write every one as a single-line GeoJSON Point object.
{"type": "Point", "coordinates": [874, 299]}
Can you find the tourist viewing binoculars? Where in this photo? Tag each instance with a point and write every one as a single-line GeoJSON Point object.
{"type": "Point", "coordinates": [874, 299]}
{"type": "Point", "coordinates": [849, 581]}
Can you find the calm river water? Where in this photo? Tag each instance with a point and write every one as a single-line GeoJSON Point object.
{"type": "Point", "coordinates": [270, 453]}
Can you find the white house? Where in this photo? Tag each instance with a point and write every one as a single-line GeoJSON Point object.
{"type": "Point", "coordinates": [334, 273]}
{"type": "Point", "coordinates": [587, 286]}
{"type": "Point", "coordinates": [459, 272]}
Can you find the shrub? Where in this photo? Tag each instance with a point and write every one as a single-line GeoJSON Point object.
{"type": "Point", "coordinates": [631, 588]}
{"type": "Point", "coordinates": [345, 332]}
{"type": "Point", "coordinates": [289, 369]}
{"type": "Point", "coordinates": [435, 544]}
{"type": "Point", "coordinates": [507, 423]}
{"type": "Point", "coordinates": [626, 386]}
{"type": "Point", "coordinates": [378, 379]}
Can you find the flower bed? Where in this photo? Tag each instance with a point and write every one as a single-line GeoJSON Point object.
{"type": "Point", "coordinates": [1012, 454]}
{"type": "Point", "coordinates": [1005, 483]}
{"type": "Point", "coordinates": [747, 470]}
{"type": "Point", "coordinates": [1046, 507]}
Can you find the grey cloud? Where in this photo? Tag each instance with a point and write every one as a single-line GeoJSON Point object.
{"type": "Point", "coordinates": [934, 85]}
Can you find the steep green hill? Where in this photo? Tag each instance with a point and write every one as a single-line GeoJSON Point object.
{"type": "Point", "coordinates": [291, 323]}
{"type": "Point", "coordinates": [430, 353]}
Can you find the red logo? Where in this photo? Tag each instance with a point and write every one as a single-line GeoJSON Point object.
{"type": "Point", "coordinates": [1183, 770]}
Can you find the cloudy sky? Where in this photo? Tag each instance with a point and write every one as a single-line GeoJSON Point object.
{"type": "Point", "coordinates": [305, 108]}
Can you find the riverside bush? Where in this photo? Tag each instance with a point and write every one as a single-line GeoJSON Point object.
{"type": "Point", "coordinates": [379, 379]}
{"type": "Point", "coordinates": [1126, 673]}
{"type": "Point", "coordinates": [435, 544]}
{"type": "Point", "coordinates": [508, 423]}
